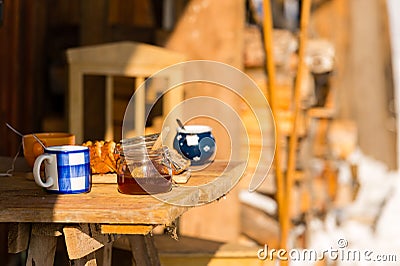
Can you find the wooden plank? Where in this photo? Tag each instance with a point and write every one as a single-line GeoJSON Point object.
{"type": "Point", "coordinates": [113, 208]}
{"type": "Point", "coordinates": [42, 250]}
{"type": "Point", "coordinates": [22, 201]}
{"type": "Point", "coordinates": [126, 229]}
{"type": "Point", "coordinates": [104, 179]}
{"type": "Point", "coordinates": [45, 229]}
{"type": "Point", "coordinates": [83, 239]}
{"type": "Point", "coordinates": [199, 251]}
{"type": "Point", "coordinates": [129, 59]}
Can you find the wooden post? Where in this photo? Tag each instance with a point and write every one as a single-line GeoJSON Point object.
{"type": "Point", "coordinates": [75, 101]}
{"type": "Point", "coordinates": [109, 122]}
{"type": "Point", "coordinates": [280, 179]}
{"type": "Point", "coordinates": [140, 106]}
{"type": "Point", "coordinates": [143, 250]}
{"type": "Point", "coordinates": [293, 141]}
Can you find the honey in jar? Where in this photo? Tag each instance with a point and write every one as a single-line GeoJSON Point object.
{"type": "Point", "coordinates": [142, 170]}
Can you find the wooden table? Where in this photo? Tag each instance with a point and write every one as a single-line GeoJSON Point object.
{"type": "Point", "coordinates": [94, 220]}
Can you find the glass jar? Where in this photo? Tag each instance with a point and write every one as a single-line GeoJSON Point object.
{"type": "Point", "coordinates": [142, 170]}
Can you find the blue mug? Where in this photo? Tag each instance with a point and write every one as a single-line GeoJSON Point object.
{"type": "Point", "coordinates": [196, 143]}
{"type": "Point", "coordinates": [66, 167]}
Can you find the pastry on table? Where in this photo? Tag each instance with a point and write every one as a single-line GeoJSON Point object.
{"type": "Point", "coordinates": [103, 159]}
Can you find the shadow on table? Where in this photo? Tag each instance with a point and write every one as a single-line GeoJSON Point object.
{"type": "Point", "coordinates": [17, 166]}
{"type": "Point", "coordinates": [6, 163]}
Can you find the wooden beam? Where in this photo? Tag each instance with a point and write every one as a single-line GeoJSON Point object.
{"type": "Point", "coordinates": [280, 179]}
{"type": "Point", "coordinates": [126, 229]}
{"type": "Point", "coordinates": [293, 141]}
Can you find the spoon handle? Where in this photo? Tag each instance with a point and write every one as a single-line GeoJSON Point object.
{"type": "Point", "coordinates": [21, 135]}
{"type": "Point", "coordinates": [180, 123]}
{"type": "Point", "coordinates": [14, 130]}
{"type": "Point", "coordinates": [38, 140]}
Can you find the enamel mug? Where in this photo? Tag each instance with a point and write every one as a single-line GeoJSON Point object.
{"type": "Point", "coordinates": [196, 143]}
{"type": "Point", "coordinates": [66, 169]}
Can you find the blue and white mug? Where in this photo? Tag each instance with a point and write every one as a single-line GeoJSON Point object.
{"type": "Point", "coordinates": [196, 143]}
{"type": "Point", "coordinates": [66, 167]}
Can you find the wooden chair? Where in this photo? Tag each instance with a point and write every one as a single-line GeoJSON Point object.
{"type": "Point", "coordinates": [127, 59]}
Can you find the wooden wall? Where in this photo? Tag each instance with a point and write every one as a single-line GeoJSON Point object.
{"type": "Point", "coordinates": [21, 70]}
{"type": "Point", "coordinates": [359, 31]}
{"type": "Point", "coordinates": [33, 69]}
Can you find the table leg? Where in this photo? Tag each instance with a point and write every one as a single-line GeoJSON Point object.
{"type": "Point", "coordinates": [43, 244]}
{"type": "Point", "coordinates": [18, 237]}
{"type": "Point", "coordinates": [104, 255]}
{"type": "Point", "coordinates": [107, 255]}
{"type": "Point", "coordinates": [143, 250]}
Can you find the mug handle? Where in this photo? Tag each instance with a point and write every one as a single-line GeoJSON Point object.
{"type": "Point", "coordinates": [36, 170]}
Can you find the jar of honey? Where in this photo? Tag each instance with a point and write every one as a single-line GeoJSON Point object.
{"type": "Point", "coordinates": [141, 169]}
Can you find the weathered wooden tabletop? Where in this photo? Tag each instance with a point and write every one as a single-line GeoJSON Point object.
{"type": "Point", "coordinates": [21, 200]}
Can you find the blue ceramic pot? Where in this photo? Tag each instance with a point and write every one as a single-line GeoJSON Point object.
{"type": "Point", "coordinates": [195, 143]}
